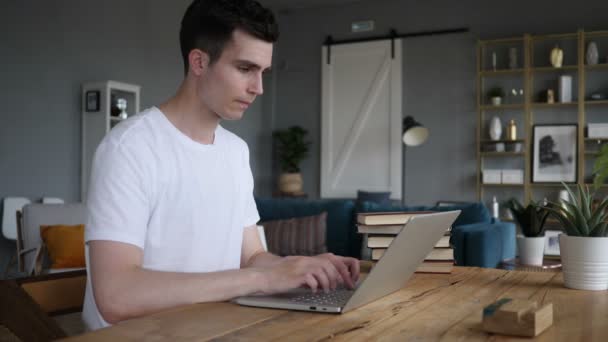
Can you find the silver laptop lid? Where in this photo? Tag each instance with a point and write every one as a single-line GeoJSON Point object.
{"type": "Point", "coordinates": [399, 262]}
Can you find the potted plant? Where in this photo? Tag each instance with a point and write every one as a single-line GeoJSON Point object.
{"type": "Point", "coordinates": [496, 94]}
{"type": "Point", "coordinates": [292, 148]}
{"type": "Point", "coordinates": [584, 247]}
{"type": "Point", "coordinates": [531, 241]}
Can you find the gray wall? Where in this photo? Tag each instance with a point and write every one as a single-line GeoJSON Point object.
{"type": "Point", "coordinates": [439, 75]}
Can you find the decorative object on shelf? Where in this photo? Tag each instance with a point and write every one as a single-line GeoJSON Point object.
{"type": "Point", "coordinates": [597, 130]}
{"type": "Point", "coordinates": [554, 153]}
{"type": "Point", "coordinates": [494, 61]}
{"type": "Point", "coordinates": [511, 130]}
{"type": "Point", "coordinates": [121, 104]}
{"type": "Point", "coordinates": [496, 94]}
{"type": "Point", "coordinates": [584, 250]}
{"type": "Point", "coordinates": [114, 111]}
{"type": "Point", "coordinates": [490, 176]}
{"type": "Point", "coordinates": [597, 97]}
{"type": "Point", "coordinates": [557, 57]}
{"type": "Point", "coordinates": [565, 88]}
{"type": "Point", "coordinates": [495, 208]}
{"type": "Point", "coordinates": [513, 146]}
{"type": "Point", "coordinates": [292, 148]}
{"type": "Point", "coordinates": [593, 55]}
{"type": "Point", "coordinates": [513, 58]}
{"type": "Point", "coordinates": [92, 101]}
{"type": "Point", "coordinates": [550, 96]}
{"type": "Point", "coordinates": [512, 176]}
{"type": "Point", "coordinates": [531, 220]}
{"type": "Point", "coordinates": [495, 128]}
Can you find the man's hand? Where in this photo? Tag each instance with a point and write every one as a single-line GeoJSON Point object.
{"type": "Point", "coordinates": [325, 271]}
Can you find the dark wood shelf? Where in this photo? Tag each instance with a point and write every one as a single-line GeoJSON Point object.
{"type": "Point", "coordinates": [552, 68]}
{"type": "Point", "coordinates": [502, 185]}
{"type": "Point", "coordinates": [596, 102]}
{"type": "Point", "coordinates": [596, 139]}
{"type": "Point", "coordinates": [502, 141]}
{"type": "Point", "coordinates": [600, 66]}
{"type": "Point", "coordinates": [501, 154]}
{"type": "Point", "coordinates": [502, 106]}
{"type": "Point", "coordinates": [502, 72]}
{"type": "Point", "coordinates": [557, 104]}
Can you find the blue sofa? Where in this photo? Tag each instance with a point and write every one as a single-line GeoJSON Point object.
{"type": "Point", "coordinates": [478, 239]}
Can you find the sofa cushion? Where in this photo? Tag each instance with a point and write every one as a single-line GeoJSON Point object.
{"type": "Point", "coordinates": [340, 227]}
{"type": "Point", "coordinates": [483, 244]}
{"type": "Point", "coordinates": [297, 235]}
{"type": "Point", "coordinates": [380, 197]}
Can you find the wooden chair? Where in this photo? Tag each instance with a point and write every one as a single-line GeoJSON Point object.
{"type": "Point", "coordinates": [42, 308]}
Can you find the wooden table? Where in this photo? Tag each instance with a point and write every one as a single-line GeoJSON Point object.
{"type": "Point", "coordinates": [430, 307]}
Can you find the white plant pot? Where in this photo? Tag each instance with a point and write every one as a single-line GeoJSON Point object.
{"type": "Point", "coordinates": [496, 100]}
{"type": "Point", "coordinates": [584, 262]}
{"type": "Point", "coordinates": [531, 250]}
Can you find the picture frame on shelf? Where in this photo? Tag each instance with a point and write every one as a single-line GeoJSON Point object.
{"type": "Point", "coordinates": [92, 101]}
{"type": "Point", "coordinates": [552, 243]}
{"type": "Point", "coordinates": [554, 153]}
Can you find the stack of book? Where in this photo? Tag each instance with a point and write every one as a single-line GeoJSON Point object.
{"type": "Point", "coordinates": [379, 230]}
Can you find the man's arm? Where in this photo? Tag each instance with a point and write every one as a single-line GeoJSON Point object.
{"type": "Point", "coordinates": [123, 289]}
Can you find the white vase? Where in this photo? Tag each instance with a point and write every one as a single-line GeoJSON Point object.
{"type": "Point", "coordinates": [495, 128]}
{"type": "Point", "coordinates": [531, 250]}
{"type": "Point", "coordinates": [592, 54]}
{"type": "Point", "coordinates": [584, 262]}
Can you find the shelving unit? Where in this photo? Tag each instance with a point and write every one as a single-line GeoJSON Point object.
{"type": "Point", "coordinates": [99, 115]}
{"type": "Point", "coordinates": [534, 75]}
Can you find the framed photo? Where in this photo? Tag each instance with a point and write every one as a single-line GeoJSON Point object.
{"type": "Point", "coordinates": [552, 242]}
{"type": "Point", "coordinates": [92, 101]}
{"type": "Point", "coordinates": [554, 153]}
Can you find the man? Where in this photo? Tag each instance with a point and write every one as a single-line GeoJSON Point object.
{"type": "Point", "coordinates": [172, 219]}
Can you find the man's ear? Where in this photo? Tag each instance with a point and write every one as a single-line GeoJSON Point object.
{"type": "Point", "coordinates": [199, 61]}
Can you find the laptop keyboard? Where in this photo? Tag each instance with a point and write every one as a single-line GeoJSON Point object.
{"type": "Point", "coordinates": [337, 297]}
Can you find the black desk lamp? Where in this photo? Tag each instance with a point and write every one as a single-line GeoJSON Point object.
{"type": "Point", "coordinates": [414, 134]}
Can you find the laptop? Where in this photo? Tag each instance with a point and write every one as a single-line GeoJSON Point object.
{"type": "Point", "coordinates": [409, 248]}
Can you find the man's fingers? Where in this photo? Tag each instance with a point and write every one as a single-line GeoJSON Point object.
{"type": "Point", "coordinates": [312, 282]}
{"type": "Point", "coordinates": [345, 273]}
{"type": "Point", "coordinates": [322, 279]}
{"type": "Point", "coordinates": [353, 267]}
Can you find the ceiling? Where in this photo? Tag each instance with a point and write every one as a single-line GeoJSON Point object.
{"type": "Point", "coordinates": [298, 4]}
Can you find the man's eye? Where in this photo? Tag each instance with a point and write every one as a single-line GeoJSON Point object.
{"type": "Point", "coordinates": [244, 69]}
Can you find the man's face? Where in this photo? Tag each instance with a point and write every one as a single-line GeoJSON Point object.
{"type": "Point", "coordinates": [231, 84]}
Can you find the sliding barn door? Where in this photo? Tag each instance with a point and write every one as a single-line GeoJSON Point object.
{"type": "Point", "coordinates": [361, 119]}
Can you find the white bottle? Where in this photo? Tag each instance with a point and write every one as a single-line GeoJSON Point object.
{"type": "Point", "coordinates": [495, 208]}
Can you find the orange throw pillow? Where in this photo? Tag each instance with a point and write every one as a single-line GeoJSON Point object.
{"type": "Point", "coordinates": [65, 245]}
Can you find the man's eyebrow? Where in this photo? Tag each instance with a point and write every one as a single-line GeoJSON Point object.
{"type": "Point", "coordinates": [251, 64]}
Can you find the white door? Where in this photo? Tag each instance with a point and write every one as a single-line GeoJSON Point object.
{"type": "Point", "coordinates": [361, 119]}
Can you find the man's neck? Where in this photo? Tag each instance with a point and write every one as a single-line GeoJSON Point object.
{"type": "Point", "coordinates": [186, 112]}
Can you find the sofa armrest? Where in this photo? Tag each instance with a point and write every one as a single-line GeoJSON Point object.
{"type": "Point", "coordinates": [483, 244]}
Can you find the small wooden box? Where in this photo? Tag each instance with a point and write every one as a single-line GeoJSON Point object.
{"type": "Point", "coordinates": [517, 317]}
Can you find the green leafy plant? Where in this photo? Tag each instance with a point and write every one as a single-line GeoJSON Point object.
{"type": "Point", "coordinates": [579, 216]}
{"type": "Point", "coordinates": [600, 167]}
{"type": "Point", "coordinates": [531, 218]}
{"type": "Point", "coordinates": [496, 92]}
{"type": "Point", "coordinates": [292, 147]}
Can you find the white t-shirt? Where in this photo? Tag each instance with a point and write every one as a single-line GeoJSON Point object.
{"type": "Point", "coordinates": [184, 203]}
